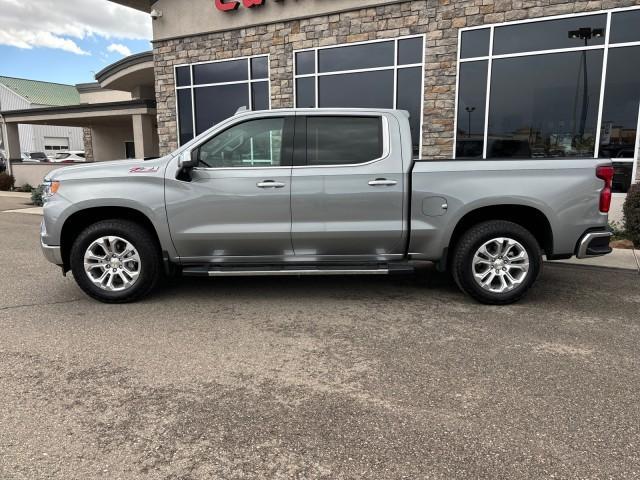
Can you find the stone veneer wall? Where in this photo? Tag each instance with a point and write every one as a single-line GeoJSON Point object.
{"type": "Point", "coordinates": [87, 138]}
{"type": "Point", "coordinates": [439, 20]}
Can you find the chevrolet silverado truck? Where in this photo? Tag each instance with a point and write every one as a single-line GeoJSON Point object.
{"type": "Point", "coordinates": [318, 192]}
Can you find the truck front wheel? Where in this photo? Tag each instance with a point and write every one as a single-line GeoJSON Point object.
{"type": "Point", "coordinates": [496, 262]}
{"type": "Point", "coordinates": [115, 261]}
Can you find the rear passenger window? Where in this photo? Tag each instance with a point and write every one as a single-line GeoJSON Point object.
{"type": "Point", "coordinates": [343, 140]}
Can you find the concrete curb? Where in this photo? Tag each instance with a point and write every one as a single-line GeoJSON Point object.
{"type": "Point", "coordinates": [619, 259]}
{"type": "Point", "coordinates": [30, 211]}
{"type": "Point", "coordinates": [15, 194]}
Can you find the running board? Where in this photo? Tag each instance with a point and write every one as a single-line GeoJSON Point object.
{"type": "Point", "coordinates": [207, 271]}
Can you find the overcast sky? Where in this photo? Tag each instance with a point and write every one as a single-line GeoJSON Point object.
{"type": "Point", "coordinates": [67, 41]}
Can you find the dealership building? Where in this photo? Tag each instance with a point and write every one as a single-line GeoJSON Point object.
{"type": "Point", "coordinates": [480, 78]}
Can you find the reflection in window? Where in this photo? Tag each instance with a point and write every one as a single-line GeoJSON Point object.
{"type": "Point", "coordinates": [472, 92]}
{"type": "Point", "coordinates": [625, 26]}
{"type": "Point", "coordinates": [391, 77]}
{"type": "Point", "coordinates": [357, 90]}
{"type": "Point", "coordinates": [544, 105]}
{"type": "Point", "coordinates": [550, 34]}
{"type": "Point", "coordinates": [249, 144]}
{"type": "Point", "coordinates": [343, 140]}
{"type": "Point", "coordinates": [218, 90]}
{"type": "Point", "coordinates": [475, 43]}
{"type": "Point", "coordinates": [620, 112]}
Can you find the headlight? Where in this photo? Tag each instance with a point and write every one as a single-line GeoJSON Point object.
{"type": "Point", "coordinates": [49, 189]}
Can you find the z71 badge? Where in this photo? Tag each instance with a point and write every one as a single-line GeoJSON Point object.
{"type": "Point", "coordinates": [144, 169]}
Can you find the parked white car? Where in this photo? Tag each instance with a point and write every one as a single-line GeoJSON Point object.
{"type": "Point", "coordinates": [69, 157]}
{"type": "Point", "coordinates": [34, 157]}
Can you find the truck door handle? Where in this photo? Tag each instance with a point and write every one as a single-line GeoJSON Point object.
{"type": "Point", "coordinates": [269, 184]}
{"type": "Point", "coordinates": [382, 182]}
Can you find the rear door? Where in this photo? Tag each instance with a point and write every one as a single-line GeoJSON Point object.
{"type": "Point", "coordinates": [347, 187]}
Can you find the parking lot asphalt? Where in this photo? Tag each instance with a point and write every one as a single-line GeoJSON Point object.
{"type": "Point", "coordinates": [348, 377]}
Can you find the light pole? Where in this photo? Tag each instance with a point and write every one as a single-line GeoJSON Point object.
{"type": "Point", "coordinates": [586, 34]}
{"type": "Point", "coordinates": [469, 110]}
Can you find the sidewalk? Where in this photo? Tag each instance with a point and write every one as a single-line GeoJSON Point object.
{"type": "Point", "coordinates": [15, 194]}
{"type": "Point", "coordinates": [619, 258]}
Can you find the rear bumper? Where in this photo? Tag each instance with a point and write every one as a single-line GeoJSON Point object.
{"type": "Point", "coordinates": [594, 244]}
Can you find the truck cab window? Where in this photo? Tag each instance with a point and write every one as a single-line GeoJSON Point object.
{"type": "Point", "coordinates": [343, 140]}
{"type": "Point", "coordinates": [256, 143]}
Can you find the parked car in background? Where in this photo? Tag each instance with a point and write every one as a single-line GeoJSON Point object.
{"type": "Point", "coordinates": [69, 157]}
{"type": "Point", "coordinates": [34, 157]}
{"type": "Point", "coordinates": [321, 192]}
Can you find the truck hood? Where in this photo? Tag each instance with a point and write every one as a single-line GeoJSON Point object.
{"type": "Point", "coordinates": [116, 168]}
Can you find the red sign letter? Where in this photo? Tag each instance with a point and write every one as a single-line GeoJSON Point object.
{"type": "Point", "coordinates": [252, 3]}
{"type": "Point", "coordinates": [226, 6]}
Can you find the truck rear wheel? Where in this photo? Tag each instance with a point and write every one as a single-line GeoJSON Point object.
{"type": "Point", "coordinates": [115, 261]}
{"type": "Point", "coordinates": [496, 262]}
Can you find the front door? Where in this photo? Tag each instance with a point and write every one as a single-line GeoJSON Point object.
{"type": "Point", "coordinates": [236, 205]}
{"type": "Point", "coordinates": [347, 191]}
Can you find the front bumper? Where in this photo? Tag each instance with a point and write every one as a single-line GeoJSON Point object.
{"type": "Point", "coordinates": [52, 253]}
{"type": "Point", "coordinates": [594, 244]}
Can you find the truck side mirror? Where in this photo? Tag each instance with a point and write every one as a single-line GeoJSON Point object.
{"type": "Point", "coordinates": [188, 159]}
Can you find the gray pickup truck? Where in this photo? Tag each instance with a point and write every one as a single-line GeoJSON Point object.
{"type": "Point", "coordinates": [317, 192]}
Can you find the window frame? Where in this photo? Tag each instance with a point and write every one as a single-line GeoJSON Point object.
{"type": "Point", "coordinates": [395, 67]}
{"type": "Point", "coordinates": [384, 128]}
{"type": "Point", "coordinates": [192, 87]}
{"type": "Point", "coordinates": [605, 47]}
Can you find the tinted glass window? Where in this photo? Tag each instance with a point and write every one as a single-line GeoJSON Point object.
{"type": "Point", "coordinates": [409, 87]}
{"type": "Point", "coordinates": [259, 68]}
{"type": "Point", "coordinates": [305, 92]}
{"type": "Point", "coordinates": [620, 111]}
{"type": "Point", "coordinates": [625, 27]}
{"type": "Point", "coordinates": [357, 90]}
{"type": "Point", "coordinates": [410, 51]}
{"type": "Point", "coordinates": [218, 72]}
{"type": "Point", "coordinates": [541, 106]}
{"type": "Point", "coordinates": [475, 43]}
{"type": "Point", "coordinates": [368, 55]}
{"type": "Point", "coordinates": [472, 93]}
{"type": "Point", "coordinates": [260, 95]}
{"type": "Point", "coordinates": [256, 143]}
{"type": "Point", "coordinates": [185, 116]}
{"type": "Point", "coordinates": [550, 34]}
{"type": "Point", "coordinates": [214, 104]}
{"type": "Point", "coordinates": [183, 76]}
{"type": "Point", "coordinates": [343, 140]}
{"type": "Point", "coordinates": [305, 63]}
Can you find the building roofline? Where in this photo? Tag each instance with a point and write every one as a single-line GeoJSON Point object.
{"type": "Point", "coordinates": [123, 64]}
{"type": "Point", "coordinates": [37, 81]}
{"type": "Point", "coordinates": [142, 5]}
{"type": "Point", "coordinates": [84, 107]}
{"type": "Point", "coordinates": [88, 87]}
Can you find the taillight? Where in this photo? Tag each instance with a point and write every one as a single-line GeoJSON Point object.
{"type": "Point", "coordinates": [605, 172]}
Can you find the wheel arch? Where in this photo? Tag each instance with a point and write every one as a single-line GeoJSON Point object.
{"type": "Point", "coordinates": [531, 218]}
{"type": "Point", "coordinates": [81, 219]}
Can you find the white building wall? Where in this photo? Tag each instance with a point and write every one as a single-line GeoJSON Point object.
{"type": "Point", "coordinates": [32, 136]}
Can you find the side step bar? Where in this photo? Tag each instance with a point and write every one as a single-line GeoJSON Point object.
{"type": "Point", "coordinates": [249, 271]}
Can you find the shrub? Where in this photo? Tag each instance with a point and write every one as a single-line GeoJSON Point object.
{"type": "Point", "coordinates": [617, 228]}
{"type": "Point", "coordinates": [36, 196]}
{"type": "Point", "coordinates": [631, 211]}
{"type": "Point", "coordinates": [6, 182]}
{"type": "Point", "coordinates": [26, 188]}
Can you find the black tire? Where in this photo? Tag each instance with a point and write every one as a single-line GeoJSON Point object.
{"type": "Point", "coordinates": [144, 243]}
{"type": "Point", "coordinates": [462, 267]}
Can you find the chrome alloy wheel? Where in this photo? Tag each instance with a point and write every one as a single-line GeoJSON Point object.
{"type": "Point", "coordinates": [112, 263]}
{"type": "Point", "coordinates": [500, 265]}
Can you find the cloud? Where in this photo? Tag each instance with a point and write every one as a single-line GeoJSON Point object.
{"type": "Point", "coordinates": [60, 23]}
{"type": "Point", "coordinates": [119, 48]}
